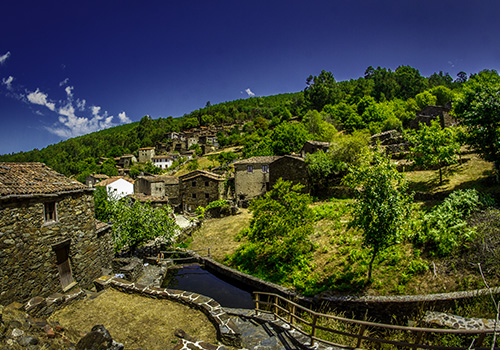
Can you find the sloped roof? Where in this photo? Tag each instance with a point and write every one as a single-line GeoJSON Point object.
{"type": "Point", "coordinates": [197, 173]}
{"type": "Point", "coordinates": [318, 143]}
{"type": "Point", "coordinates": [169, 180]}
{"type": "Point", "coordinates": [25, 179]}
{"type": "Point", "coordinates": [258, 160]}
{"type": "Point", "coordinates": [113, 179]}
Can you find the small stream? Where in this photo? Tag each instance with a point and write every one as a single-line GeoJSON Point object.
{"type": "Point", "coordinates": [194, 278]}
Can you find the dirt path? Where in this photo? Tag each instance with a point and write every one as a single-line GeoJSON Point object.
{"type": "Point", "coordinates": [219, 235]}
{"type": "Point", "coordinates": [136, 321]}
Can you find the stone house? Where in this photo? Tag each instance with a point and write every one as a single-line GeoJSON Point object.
{"type": "Point", "coordinates": [94, 179]}
{"type": "Point", "coordinates": [126, 161]}
{"type": "Point", "coordinates": [163, 188]}
{"type": "Point", "coordinates": [429, 113]}
{"type": "Point", "coordinates": [251, 178]}
{"type": "Point", "coordinates": [162, 162]}
{"type": "Point", "coordinates": [198, 188]}
{"type": "Point", "coordinates": [313, 147]}
{"type": "Point", "coordinates": [118, 187]}
{"type": "Point", "coordinates": [50, 240]}
{"type": "Point", "coordinates": [145, 154]}
{"type": "Point", "coordinates": [289, 168]}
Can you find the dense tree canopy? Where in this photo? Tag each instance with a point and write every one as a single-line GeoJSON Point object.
{"type": "Point", "coordinates": [478, 108]}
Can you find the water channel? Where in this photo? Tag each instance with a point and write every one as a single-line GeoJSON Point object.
{"type": "Point", "coordinates": [194, 278]}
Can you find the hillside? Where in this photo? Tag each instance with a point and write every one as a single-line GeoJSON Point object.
{"type": "Point", "coordinates": [381, 100]}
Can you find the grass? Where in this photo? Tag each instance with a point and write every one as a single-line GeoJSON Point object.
{"type": "Point", "coordinates": [471, 172]}
{"type": "Point", "coordinates": [135, 321]}
{"type": "Point", "coordinates": [340, 261]}
{"type": "Point", "coordinates": [219, 235]}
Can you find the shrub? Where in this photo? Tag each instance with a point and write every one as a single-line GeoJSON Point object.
{"type": "Point", "coordinates": [445, 228]}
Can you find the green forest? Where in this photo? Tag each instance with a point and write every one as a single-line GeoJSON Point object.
{"type": "Point", "coordinates": [380, 100]}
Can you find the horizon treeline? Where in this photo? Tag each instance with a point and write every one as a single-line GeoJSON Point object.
{"type": "Point", "coordinates": [380, 100]}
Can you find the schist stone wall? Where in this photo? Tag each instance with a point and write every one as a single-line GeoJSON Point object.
{"type": "Point", "coordinates": [32, 248]}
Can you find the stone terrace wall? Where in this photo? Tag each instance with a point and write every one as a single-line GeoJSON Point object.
{"type": "Point", "coordinates": [379, 308]}
{"type": "Point", "coordinates": [26, 256]}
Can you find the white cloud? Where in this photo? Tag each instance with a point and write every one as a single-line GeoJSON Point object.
{"type": "Point", "coordinates": [95, 110]}
{"type": "Point", "coordinates": [4, 57]}
{"type": "Point", "coordinates": [71, 125]}
{"type": "Point", "coordinates": [69, 91]}
{"type": "Point", "coordinates": [123, 118]}
{"type": "Point", "coordinates": [80, 104]}
{"type": "Point", "coordinates": [8, 81]}
{"type": "Point", "coordinates": [249, 92]}
{"type": "Point", "coordinates": [64, 82]}
{"type": "Point", "coordinates": [40, 98]}
{"type": "Point", "coordinates": [74, 117]}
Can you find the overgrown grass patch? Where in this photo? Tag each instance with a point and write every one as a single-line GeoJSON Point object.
{"type": "Point", "coordinates": [136, 321]}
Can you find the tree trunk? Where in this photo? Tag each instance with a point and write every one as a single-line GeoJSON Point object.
{"type": "Point", "coordinates": [374, 254]}
{"type": "Point", "coordinates": [440, 176]}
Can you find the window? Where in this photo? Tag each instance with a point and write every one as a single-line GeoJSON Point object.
{"type": "Point", "coordinates": [250, 168]}
{"type": "Point", "coordinates": [193, 183]}
{"type": "Point", "coordinates": [194, 195]}
{"type": "Point", "coordinates": [206, 183]}
{"type": "Point", "coordinates": [206, 195]}
{"type": "Point", "coordinates": [265, 168]}
{"type": "Point", "coordinates": [50, 211]}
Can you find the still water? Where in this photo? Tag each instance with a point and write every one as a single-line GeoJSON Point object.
{"type": "Point", "coordinates": [194, 278]}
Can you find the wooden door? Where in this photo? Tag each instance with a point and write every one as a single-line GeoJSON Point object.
{"type": "Point", "coordinates": [62, 254]}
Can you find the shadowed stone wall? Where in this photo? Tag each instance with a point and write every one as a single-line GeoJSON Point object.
{"type": "Point", "coordinates": [27, 259]}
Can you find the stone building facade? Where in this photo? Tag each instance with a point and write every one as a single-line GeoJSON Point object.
{"type": "Point", "coordinates": [290, 168]}
{"type": "Point", "coordinates": [146, 154]}
{"type": "Point", "coordinates": [251, 178]}
{"type": "Point", "coordinates": [314, 146]}
{"type": "Point", "coordinates": [198, 188]}
{"type": "Point", "coordinates": [49, 238]}
{"type": "Point", "coordinates": [430, 113]}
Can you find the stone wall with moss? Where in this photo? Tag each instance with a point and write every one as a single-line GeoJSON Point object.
{"type": "Point", "coordinates": [27, 257]}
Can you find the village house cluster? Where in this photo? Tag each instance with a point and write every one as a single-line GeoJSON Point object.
{"type": "Point", "coordinates": [51, 242]}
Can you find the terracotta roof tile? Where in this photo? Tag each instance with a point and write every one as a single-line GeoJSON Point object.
{"type": "Point", "coordinates": [20, 179]}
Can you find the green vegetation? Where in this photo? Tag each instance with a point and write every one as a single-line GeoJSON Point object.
{"type": "Point", "coordinates": [382, 205]}
{"type": "Point", "coordinates": [380, 100]}
{"type": "Point", "coordinates": [133, 223]}
{"type": "Point", "coordinates": [434, 146]}
{"type": "Point", "coordinates": [478, 107]}
{"type": "Point", "coordinates": [278, 247]}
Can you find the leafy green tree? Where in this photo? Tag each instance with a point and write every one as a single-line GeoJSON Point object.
{"type": "Point", "coordinates": [321, 90]}
{"type": "Point", "coordinates": [434, 146]}
{"type": "Point", "coordinates": [443, 95]}
{"type": "Point", "coordinates": [136, 223]}
{"type": "Point", "coordinates": [288, 138]}
{"type": "Point", "coordinates": [278, 237]}
{"type": "Point", "coordinates": [424, 99]}
{"type": "Point", "coordinates": [345, 116]}
{"type": "Point", "coordinates": [381, 205]}
{"type": "Point", "coordinates": [410, 82]}
{"type": "Point", "coordinates": [318, 127]}
{"type": "Point", "coordinates": [108, 167]}
{"type": "Point", "coordinates": [478, 108]}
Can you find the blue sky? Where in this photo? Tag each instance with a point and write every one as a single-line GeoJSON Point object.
{"type": "Point", "coordinates": [69, 68]}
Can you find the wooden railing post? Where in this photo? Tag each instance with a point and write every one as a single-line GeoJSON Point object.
{"type": "Point", "coordinates": [275, 307]}
{"type": "Point", "coordinates": [292, 314]}
{"type": "Point", "coordinates": [418, 339]}
{"type": "Point", "coordinates": [360, 334]}
{"type": "Point", "coordinates": [313, 329]}
{"type": "Point", "coordinates": [256, 304]}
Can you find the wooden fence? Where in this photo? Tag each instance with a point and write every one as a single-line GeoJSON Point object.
{"type": "Point", "coordinates": [350, 334]}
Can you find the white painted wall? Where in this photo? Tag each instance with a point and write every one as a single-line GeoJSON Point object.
{"type": "Point", "coordinates": [120, 188]}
